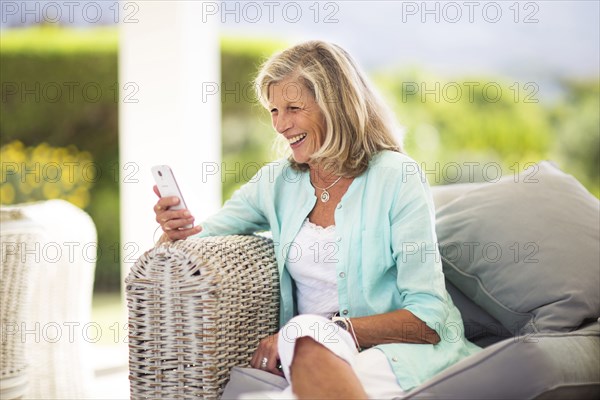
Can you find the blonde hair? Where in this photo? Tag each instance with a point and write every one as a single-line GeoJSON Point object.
{"type": "Point", "coordinates": [358, 123]}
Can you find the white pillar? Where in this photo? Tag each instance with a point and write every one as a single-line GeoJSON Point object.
{"type": "Point", "coordinates": [166, 56]}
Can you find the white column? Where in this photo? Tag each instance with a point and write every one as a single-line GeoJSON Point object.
{"type": "Point", "coordinates": [166, 56]}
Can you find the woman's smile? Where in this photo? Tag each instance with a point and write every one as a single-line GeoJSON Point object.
{"type": "Point", "coordinates": [297, 140]}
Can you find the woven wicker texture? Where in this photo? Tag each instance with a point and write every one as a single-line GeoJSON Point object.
{"type": "Point", "coordinates": [60, 284]}
{"type": "Point", "coordinates": [17, 237]}
{"type": "Point", "coordinates": [197, 308]}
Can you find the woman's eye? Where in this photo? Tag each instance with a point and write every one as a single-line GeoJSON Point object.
{"type": "Point", "coordinates": [294, 108]}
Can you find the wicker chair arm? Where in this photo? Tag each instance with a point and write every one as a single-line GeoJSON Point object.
{"type": "Point", "coordinates": [197, 308]}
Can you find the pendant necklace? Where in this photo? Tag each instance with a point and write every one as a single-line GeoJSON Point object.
{"type": "Point", "coordinates": [325, 195]}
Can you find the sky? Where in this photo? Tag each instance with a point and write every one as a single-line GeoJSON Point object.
{"type": "Point", "coordinates": [527, 41]}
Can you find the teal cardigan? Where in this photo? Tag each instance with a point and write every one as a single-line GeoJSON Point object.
{"type": "Point", "coordinates": [386, 251]}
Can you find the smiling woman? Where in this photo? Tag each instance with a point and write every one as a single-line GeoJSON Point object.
{"type": "Point", "coordinates": [348, 201]}
{"type": "Point", "coordinates": [357, 123]}
{"type": "Point", "coordinates": [296, 115]}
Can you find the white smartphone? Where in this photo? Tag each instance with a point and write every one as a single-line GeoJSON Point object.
{"type": "Point", "coordinates": [167, 186]}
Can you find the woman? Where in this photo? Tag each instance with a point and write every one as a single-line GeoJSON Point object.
{"type": "Point", "coordinates": [353, 226]}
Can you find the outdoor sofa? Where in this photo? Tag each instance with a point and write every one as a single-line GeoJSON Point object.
{"type": "Point", "coordinates": [521, 259]}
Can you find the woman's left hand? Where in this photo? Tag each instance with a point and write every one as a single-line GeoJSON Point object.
{"type": "Point", "coordinates": [266, 356]}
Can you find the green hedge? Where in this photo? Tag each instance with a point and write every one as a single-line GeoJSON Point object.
{"type": "Point", "coordinates": [61, 87]}
{"type": "Point", "coordinates": [247, 133]}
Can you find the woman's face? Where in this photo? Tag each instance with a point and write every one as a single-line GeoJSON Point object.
{"type": "Point", "coordinates": [296, 115]}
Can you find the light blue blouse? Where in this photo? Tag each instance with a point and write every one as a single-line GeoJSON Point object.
{"type": "Point", "coordinates": [386, 251]}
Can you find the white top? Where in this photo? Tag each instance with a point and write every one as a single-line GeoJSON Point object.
{"type": "Point", "coordinates": [312, 264]}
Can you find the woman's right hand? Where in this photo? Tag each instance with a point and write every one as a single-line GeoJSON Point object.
{"type": "Point", "coordinates": [266, 356]}
{"type": "Point", "coordinates": [172, 220]}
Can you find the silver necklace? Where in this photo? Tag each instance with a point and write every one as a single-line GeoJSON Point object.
{"type": "Point", "coordinates": [325, 194]}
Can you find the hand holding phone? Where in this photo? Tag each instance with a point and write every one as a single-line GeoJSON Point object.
{"type": "Point", "coordinates": [167, 186]}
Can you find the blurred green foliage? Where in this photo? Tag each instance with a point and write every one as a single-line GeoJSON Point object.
{"type": "Point", "coordinates": [247, 137]}
{"type": "Point", "coordinates": [44, 172]}
{"type": "Point", "coordinates": [475, 123]}
{"type": "Point", "coordinates": [60, 99]}
{"type": "Point", "coordinates": [60, 87]}
{"type": "Point", "coordinates": [471, 129]}
{"type": "Point", "coordinates": [576, 132]}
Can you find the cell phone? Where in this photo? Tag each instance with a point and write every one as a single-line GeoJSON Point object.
{"type": "Point", "coordinates": [167, 186]}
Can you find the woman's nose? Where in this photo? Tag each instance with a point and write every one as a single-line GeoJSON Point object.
{"type": "Point", "coordinates": [282, 122]}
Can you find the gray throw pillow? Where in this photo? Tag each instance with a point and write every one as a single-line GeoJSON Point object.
{"type": "Point", "coordinates": [526, 249]}
{"type": "Point", "coordinates": [444, 194]}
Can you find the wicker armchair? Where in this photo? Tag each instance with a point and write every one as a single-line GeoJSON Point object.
{"type": "Point", "coordinates": [15, 292]}
{"type": "Point", "coordinates": [197, 308]}
{"type": "Point", "coordinates": [48, 263]}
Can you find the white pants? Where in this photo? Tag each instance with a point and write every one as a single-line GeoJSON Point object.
{"type": "Point", "coordinates": [371, 366]}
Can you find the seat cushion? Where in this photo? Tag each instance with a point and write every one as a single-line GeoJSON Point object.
{"type": "Point", "coordinates": [536, 366]}
{"type": "Point", "coordinates": [526, 250]}
{"type": "Point", "coordinates": [485, 374]}
{"type": "Point", "coordinates": [244, 381]}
